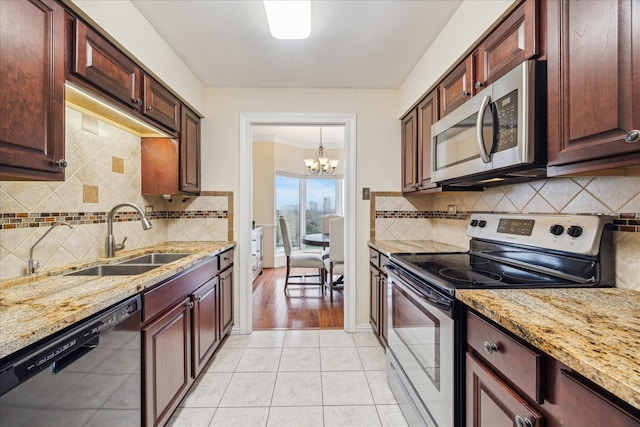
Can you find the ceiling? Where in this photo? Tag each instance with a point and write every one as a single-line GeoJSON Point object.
{"type": "Point", "coordinates": [300, 136]}
{"type": "Point", "coordinates": [353, 43]}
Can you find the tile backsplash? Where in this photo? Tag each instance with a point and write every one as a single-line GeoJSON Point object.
{"type": "Point", "coordinates": [103, 171]}
{"type": "Point", "coordinates": [443, 217]}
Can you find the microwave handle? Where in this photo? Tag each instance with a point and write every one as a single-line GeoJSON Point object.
{"type": "Point", "coordinates": [480, 129]}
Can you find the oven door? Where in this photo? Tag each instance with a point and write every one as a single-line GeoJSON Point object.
{"type": "Point", "coordinates": [421, 339]}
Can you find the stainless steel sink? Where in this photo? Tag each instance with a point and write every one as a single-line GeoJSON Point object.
{"type": "Point", "coordinates": [155, 258]}
{"type": "Point", "coordinates": [114, 270]}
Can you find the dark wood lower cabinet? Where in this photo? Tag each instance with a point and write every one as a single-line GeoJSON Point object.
{"type": "Point", "coordinates": [185, 319]}
{"type": "Point", "coordinates": [167, 362]}
{"type": "Point", "coordinates": [492, 403]}
{"type": "Point", "coordinates": [226, 300]}
{"type": "Point", "coordinates": [206, 323]}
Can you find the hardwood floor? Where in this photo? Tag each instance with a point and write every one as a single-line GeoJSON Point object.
{"type": "Point", "coordinates": [303, 306]}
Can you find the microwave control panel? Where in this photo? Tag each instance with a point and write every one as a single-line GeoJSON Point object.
{"type": "Point", "coordinates": [506, 114]}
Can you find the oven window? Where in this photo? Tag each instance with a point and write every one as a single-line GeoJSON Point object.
{"type": "Point", "coordinates": [419, 330]}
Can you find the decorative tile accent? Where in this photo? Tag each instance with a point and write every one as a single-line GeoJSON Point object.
{"type": "Point", "coordinates": [117, 165]}
{"type": "Point", "coordinates": [89, 194]}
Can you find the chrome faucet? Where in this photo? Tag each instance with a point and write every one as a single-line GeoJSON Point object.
{"type": "Point", "coordinates": [33, 265]}
{"type": "Point", "coordinates": [110, 245]}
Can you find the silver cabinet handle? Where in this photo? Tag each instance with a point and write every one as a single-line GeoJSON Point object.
{"type": "Point", "coordinates": [189, 304]}
{"type": "Point", "coordinates": [632, 136]}
{"type": "Point", "coordinates": [479, 84]}
{"type": "Point", "coordinates": [523, 422]}
{"type": "Point", "coordinates": [61, 163]}
{"type": "Point", "coordinates": [137, 101]}
{"type": "Point", "coordinates": [466, 93]}
{"type": "Point", "coordinates": [490, 347]}
{"type": "Point", "coordinates": [149, 108]}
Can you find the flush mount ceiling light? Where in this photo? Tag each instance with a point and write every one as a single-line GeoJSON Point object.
{"type": "Point", "coordinates": [289, 20]}
{"type": "Point", "coordinates": [321, 164]}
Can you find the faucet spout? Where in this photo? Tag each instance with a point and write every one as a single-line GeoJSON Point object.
{"type": "Point", "coordinates": [33, 264]}
{"type": "Point", "coordinates": [110, 244]}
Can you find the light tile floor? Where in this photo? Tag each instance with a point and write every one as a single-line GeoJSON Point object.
{"type": "Point", "coordinates": [301, 378]}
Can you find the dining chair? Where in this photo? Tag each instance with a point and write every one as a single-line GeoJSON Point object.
{"type": "Point", "coordinates": [325, 230]}
{"type": "Point", "coordinates": [334, 265]}
{"type": "Point", "coordinates": [300, 259]}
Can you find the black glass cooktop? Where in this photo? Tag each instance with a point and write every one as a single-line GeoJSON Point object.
{"type": "Point", "coordinates": [452, 271]}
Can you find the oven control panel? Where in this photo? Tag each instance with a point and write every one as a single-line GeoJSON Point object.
{"type": "Point", "coordinates": [579, 234]}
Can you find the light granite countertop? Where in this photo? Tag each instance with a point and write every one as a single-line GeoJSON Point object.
{"type": "Point", "coordinates": [389, 247]}
{"type": "Point", "coordinates": [595, 332]}
{"type": "Point", "coordinates": [32, 308]}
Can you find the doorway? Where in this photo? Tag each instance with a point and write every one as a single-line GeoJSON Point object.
{"type": "Point", "coordinates": [247, 121]}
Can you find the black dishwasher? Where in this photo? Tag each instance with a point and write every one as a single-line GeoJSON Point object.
{"type": "Point", "coordinates": [86, 375]}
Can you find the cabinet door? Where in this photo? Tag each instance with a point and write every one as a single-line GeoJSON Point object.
{"type": "Point", "coordinates": [491, 403]}
{"type": "Point", "coordinates": [384, 312]}
{"type": "Point", "coordinates": [190, 152]}
{"type": "Point", "coordinates": [159, 171]}
{"type": "Point", "coordinates": [593, 58]}
{"type": "Point", "coordinates": [374, 299]}
{"type": "Point", "coordinates": [167, 367]}
{"type": "Point", "coordinates": [206, 328]}
{"type": "Point", "coordinates": [514, 41]}
{"type": "Point", "coordinates": [409, 141]}
{"type": "Point", "coordinates": [159, 104]}
{"type": "Point", "coordinates": [105, 67]}
{"type": "Point", "coordinates": [31, 89]}
{"type": "Point", "coordinates": [582, 406]}
{"type": "Point", "coordinates": [226, 301]}
{"type": "Point", "coordinates": [427, 116]}
{"type": "Point", "coordinates": [456, 87]}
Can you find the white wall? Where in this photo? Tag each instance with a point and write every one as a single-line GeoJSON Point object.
{"type": "Point", "coordinates": [377, 147]}
{"type": "Point", "coordinates": [466, 26]}
{"type": "Point", "coordinates": [126, 25]}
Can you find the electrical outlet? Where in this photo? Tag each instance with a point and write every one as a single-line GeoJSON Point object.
{"type": "Point", "coordinates": [148, 208]}
{"type": "Point", "coordinates": [452, 208]}
{"type": "Point", "coordinates": [366, 193]}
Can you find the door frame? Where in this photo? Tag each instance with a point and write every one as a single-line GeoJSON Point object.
{"type": "Point", "coordinates": [245, 202]}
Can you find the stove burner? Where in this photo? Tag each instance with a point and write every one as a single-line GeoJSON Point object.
{"type": "Point", "coordinates": [470, 276]}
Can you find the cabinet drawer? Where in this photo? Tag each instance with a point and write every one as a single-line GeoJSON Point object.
{"type": "Point", "coordinates": [374, 257]}
{"type": "Point", "coordinates": [159, 298]}
{"type": "Point", "coordinates": [515, 362]}
{"type": "Point", "coordinates": [226, 260]}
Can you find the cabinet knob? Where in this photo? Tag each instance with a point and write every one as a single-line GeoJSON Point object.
{"type": "Point", "coordinates": [479, 84]}
{"type": "Point", "coordinates": [632, 136]}
{"type": "Point", "coordinates": [137, 101]}
{"type": "Point", "coordinates": [189, 304]}
{"type": "Point", "coordinates": [149, 108]}
{"type": "Point", "coordinates": [62, 163]}
{"type": "Point", "coordinates": [523, 422]}
{"type": "Point", "coordinates": [490, 347]}
{"type": "Point", "coordinates": [466, 93]}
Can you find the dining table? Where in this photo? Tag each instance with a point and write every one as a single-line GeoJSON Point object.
{"type": "Point", "coordinates": [316, 239]}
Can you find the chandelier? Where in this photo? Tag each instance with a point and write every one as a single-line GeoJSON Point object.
{"type": "Point", "coordinates": [321, 164]}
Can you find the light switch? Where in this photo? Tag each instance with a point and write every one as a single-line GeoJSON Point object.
{"type": "Point", "coordinates": [366, 193]}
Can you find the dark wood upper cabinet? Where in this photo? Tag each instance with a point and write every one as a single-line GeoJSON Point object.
{"type": "Point", "coordinates": [105, 67]}
{"type": "Point", "coordinates": [511, 43]}
{"type": "Point", "coordinates": [32, 90]}
{"type": "Point", "coordinates": [457, 87]}
{"type": "Point", "coordinates": [159, 104]}
{"type": "Point", "coordinates": [593, 60]}
{"type": "Point", "coordinates": [409, 141]}
{"type": "Point", "coordinates": [189, 151]}
{"type": "Point", "coordinates": [427, 116]}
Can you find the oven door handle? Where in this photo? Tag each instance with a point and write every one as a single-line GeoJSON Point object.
{"type": "Point", "coordinates": [430, 297]}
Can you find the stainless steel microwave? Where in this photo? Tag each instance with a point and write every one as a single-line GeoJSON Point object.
{"type": "Point", "coordinates": [496, 137]}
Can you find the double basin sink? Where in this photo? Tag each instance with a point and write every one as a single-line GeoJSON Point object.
{"type": "Point", "coordinates": [130, 267]}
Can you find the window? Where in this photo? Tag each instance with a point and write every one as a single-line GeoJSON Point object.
{"type": "Point", "coordinates": [320, 196]}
